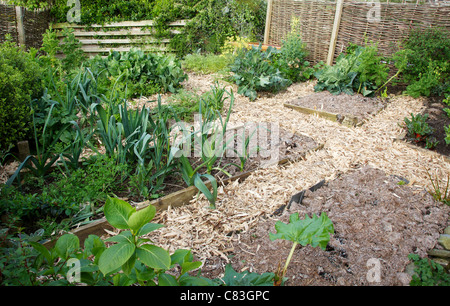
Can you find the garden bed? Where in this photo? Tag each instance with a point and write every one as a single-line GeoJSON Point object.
{"type": "Point", "coordinates": [290, 147]}
{"type": "Point", "coordinates": [349, 110]}
{"type": "Point", "coordinates": [437, 120]}
{"type": "Point", "coordinates": [377, 219]}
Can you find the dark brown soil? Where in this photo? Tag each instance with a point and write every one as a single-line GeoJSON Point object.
{"type": "Point", "coordinates": [378, 222]}
{"type": "Point", "coordinates": [354, 105]}
{"type": "Point", "coordinates": [265, 152]}
{"type": "Point", "coordinates": [438, 119]}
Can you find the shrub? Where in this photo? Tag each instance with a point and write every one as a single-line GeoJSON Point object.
{"type": "Point", "coordinates": [215, 21]}
{"type": "Point", "coordinates": [423, 62]}
{"type": "Point", "coordinates": [142, 73]}
{"type": "Point", "coordinates": [20, 82]}
{"type": "Point", "coordinates": [292, 59]}
{"type": "Point", "coordinates": [359, 70]}
{"type": "Point", "coordinates": [256, 70]}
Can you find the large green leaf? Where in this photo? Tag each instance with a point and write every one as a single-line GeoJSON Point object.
{"type": "Point", "coordinates": [201, 186]}
{"type": "Point", "coordinates": [153, 256]}
{"type": "Point", "coordinates": [117, 212]}
{"type": "Point", "coordinates": [66, 245]}
{"type": "Point", "coordinates": [246, 278]}
{"type": "Point", "coordinates": [313, 231]}
{"type": "Point", "coordinates": [141, 217]}
{"type": "Point", "coordinates": [115, 256]}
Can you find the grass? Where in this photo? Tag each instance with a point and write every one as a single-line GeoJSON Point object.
{"type": "Point", "coordinates": [207, 64]}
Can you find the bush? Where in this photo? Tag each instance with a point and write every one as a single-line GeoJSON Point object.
{"type": "Point", "coordinates": [358, 70]}
{"type": "Point", "coordinates": [215, 21]}
{"type": "Point", "coordinates": [292, 59]}
{"type": "Point", "coordinates": [20, 83]}
{"type": "Point", "coordinates": [104, 11]}
{"type": "Point", "coordinates": [142, 73]}
{"type": "Point", "coordinates": [423, 62]}
{"type": "Point", "coordinates": [256, 70]}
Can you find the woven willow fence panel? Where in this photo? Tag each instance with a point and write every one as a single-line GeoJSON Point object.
{"type": "Point", "coordinates": [386, 23]}
{"type": "Point", "coordinates": [34, 24]}
{"type": "Point", "coordinates": [315, 20]}
{"type": "Point", "coordinates": [8, 22]}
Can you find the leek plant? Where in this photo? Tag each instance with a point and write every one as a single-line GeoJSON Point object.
{"type": "Point", "coordinates": [211, 131]}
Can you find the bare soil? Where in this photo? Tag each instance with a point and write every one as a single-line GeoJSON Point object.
{"type": "Point", "coordinates": [437, 120]}
{"type": "Point", "coordinates": [268, 145]}
{"type": "Point", "coordinates": [355, 105]}
{"type": "Point", "coordinates": [378, 221]}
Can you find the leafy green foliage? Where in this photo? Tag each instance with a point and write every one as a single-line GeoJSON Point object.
{"type": "Point", "coordinates": [255, 70]}
{"type": "Point", "coordinates": [207, 63]}
{"type": "Point", "coordinates": [313, 231]}
{"type": "Point", "coordinates": [126, 259]}
{"type": "Point", "coordinates": [30, 4]}
{"type": "Point", "coordinates": [359, 70]}
{"type": "Point", "coordinates": [20, 83]}
{"type": "Point", "coordinates": [245, 278]}
{"type": "Point", "coordinates": [214, 21]}
{"type": "Point", "coordinates": [428, 272]}
{"type": "Point", "coordinates": [292, 59]}
{"type": "Point", "coordinates": [73, 195]}
{"type": "Point", "coordinates": [423, 62]}
{"type": "Point", "coordinates": [418, 130]}
{"type": "Point", "coordinates": [138, 73]}
{"type": "Point", "coordinates": [104, 11]}
{"type": "Point", "coordinates": [446, 101]}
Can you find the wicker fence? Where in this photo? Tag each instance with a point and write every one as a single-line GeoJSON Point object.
{"type": "Point", "coordinates": [328, 26]}
{"type": "Point", "coordinates": [26, 27]}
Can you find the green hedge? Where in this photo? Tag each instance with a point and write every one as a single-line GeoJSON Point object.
{"type": "Point", "coordinates": [20, 82]}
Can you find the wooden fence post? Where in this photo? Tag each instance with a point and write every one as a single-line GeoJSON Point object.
{"type": "Point", "coordinates": [20, 27]}
{"type": "Point", "coordinates": [334, 34]}
{"type": "Point", "coordinates": [268, 21]}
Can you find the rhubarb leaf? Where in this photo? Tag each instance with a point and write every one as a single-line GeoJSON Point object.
{"type": "Point", "coordinates": [313, 231]}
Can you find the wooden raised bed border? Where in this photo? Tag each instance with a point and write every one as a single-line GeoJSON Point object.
{"type": "Point", "coordinates": [346, 120]}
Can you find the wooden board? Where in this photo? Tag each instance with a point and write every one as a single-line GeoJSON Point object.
{"type": "Point", "coordinates": [345, 120]}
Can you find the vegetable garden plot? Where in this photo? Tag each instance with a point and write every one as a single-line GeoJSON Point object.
{"type": "Point", "coordinates": [377, 219]}
{"type": "Point", "coordinates": [426, 130]}
{"type": "Point", "coordinates": [271, 151]}
{"type": "Point", "coordinates": [349, 110]}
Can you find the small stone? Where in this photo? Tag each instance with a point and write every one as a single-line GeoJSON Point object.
{"type": "Point", "coordinates": [444, 240]}
{"type": "Point", "coordinates": [404, 278]}
{"type": "Point", "coordinates": [447, 230]}
{"type": "Point", "coordinates": [410, 269]}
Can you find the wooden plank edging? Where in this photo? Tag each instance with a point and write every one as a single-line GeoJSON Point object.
{"type": "Point", "coordinates": [346, 120]}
